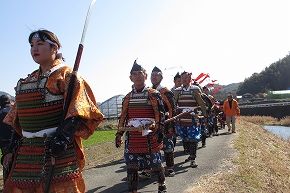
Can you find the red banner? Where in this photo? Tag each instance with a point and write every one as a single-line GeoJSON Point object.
{"type": "Point", "coordinates": [206, 76]}
{"type": "Point", "coordinates": [200, 76]}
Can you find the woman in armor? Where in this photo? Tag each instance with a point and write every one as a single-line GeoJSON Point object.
{"type": "Point", "coordinates": [42, 136]}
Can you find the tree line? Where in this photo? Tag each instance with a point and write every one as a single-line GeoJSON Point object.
{"type": "Point", "coordinates": [274, 77]}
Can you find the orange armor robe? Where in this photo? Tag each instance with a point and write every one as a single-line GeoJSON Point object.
{"type": "Point", "coordinates": [39, 106]}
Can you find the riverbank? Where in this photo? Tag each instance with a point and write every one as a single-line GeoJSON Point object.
{"type": "Point", "coordinates": [261, 164]}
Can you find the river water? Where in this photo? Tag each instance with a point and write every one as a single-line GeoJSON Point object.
{"type": "Point", "coordinates": [280, 131]}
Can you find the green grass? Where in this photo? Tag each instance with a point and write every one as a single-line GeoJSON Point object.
{"type": "Point", "coordinates": [100, 137]}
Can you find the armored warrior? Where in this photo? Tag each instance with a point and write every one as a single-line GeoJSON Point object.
{"type": "Point", "coordinates": [5, 130]}
{"type": "Point", "coordinates": [170, 111]}
{"type": "Point", "coordinates": [188, 98]}
{"type": "Point", "coordinates": [41, 136]}
{"type": "Point", "coordinates": [206, 127]}
{"type": "Point", "coordinates": [169, 129]}
{"type": "Point", "coordinates": [177, 81]}
{"type": "Point", "coordinates": [212, 120]}
{"type": "Point", "coordinates": [142, 109]}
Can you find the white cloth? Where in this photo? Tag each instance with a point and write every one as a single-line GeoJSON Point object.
{"type": "Point", "coordinates": [136, 122]}
{"type": "Point", "coordinates": [41, 133]}
{"type": "Point", "coordinates": [185, 109]}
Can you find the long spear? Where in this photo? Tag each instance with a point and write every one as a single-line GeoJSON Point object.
{"type": "Point", "coordinates": [70, 89]}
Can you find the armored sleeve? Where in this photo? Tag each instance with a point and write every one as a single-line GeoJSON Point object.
{"type": "Point", "coordinates": [176, 94]}
{"type": "Point", "coordinates": [124, 113]}
{"type": "Point", "coordinates": [200, 101]}
{"type": "Point", "coordinates": [208, 103]}
{"type": "Point", "coordinates": [170, 105]}
{"type": "Point", "coordinates": [159, 109]}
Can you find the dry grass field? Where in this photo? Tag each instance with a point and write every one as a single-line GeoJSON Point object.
{"type": "Point", "coordinates": [262, 163]}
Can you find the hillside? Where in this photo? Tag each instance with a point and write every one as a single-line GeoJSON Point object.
{"type": "Point", "coordinates": [230, 88]}
{"type": "Point", "coordinates": [2, 92]}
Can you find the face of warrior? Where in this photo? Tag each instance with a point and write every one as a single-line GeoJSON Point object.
{"type": "Point", "coordinates": [185, 80]}
{"type": "Point", "coordinates": [42, 52]}
{"type": "Point", "coordinates": [156, 78]}
{"type": "Point", "coordinates": [138, 78]}
{"type": "Point", "coordinates": [177, 82]}
{"type": "Point", "coordinates": [206, 91]}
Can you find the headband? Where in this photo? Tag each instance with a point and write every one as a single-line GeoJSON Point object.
{"type": "Point", "coordinates": [36, 35]}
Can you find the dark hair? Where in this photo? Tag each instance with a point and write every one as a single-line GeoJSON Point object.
{"type": "Point", "coordinates": [45, 34]}
{"type": "Point", "coordinates": [4, 99]}
{"type": "Point", "coordinates": [176, 76]}
{"type": "Point", "coordinates": [189, 74]}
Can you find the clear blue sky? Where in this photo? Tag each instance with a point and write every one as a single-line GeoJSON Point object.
{"type": "Point", "coordinates": [228, 39]}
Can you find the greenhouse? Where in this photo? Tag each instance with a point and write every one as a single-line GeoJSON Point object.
{"type": "Point", "coordinates": [112, 107]}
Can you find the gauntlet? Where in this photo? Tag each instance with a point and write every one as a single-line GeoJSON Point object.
{"type": "Point", "coordinates": [64, 134]}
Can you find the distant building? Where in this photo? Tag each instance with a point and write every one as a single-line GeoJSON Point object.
{"type": "Point", "coordinates": [278, 94]}
{"type": "Point", "coordinates": [247, 96]}
{"type": "Point", "coordinates": [244, 98]}
{"type": "Point", "coordinates": [240, 98]}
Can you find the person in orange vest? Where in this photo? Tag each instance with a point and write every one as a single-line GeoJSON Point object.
{"type": "Point", "coordinates": [231, 110]}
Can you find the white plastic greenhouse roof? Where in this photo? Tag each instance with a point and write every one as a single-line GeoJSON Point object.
{"type": "Point", "coordinates": [111, 108]}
